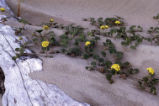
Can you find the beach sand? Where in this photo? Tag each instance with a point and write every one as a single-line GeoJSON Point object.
{"type": "Point", "coordinates": [134, 11]}
{"type": "Point", "coordinates": [70, 75]}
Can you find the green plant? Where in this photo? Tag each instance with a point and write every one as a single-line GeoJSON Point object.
{"type": "Point", "coordinates": [19, 31]}
{"type": "Point", "coordinates": [21, 20]}
{"type": "Point", "coordinates": [64, 40]}
{"type": "Point", "coordinates": [154, 38]}
{"type": "Point", "coordinates": [107, 21]}
{"type": "Point", "coordinates": [75, 51]}
{"type": "Point", "coordinates": [149, 83]}
{"type": "Point", "coordinates": [156, 17]}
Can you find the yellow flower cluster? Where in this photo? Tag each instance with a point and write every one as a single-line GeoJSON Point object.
{"type": "Point", "coordinates": [51, 20]}
{"type": "Point", "coordinates": [45, 43]}
{"type": "Point", "coordinates": [104, 27]}
{"type": "Point", "coordinates": [45, 27]}
{"type": "Point", "coordinates": [117, 22]}
{"type": "Point", "coordinates": [116, 67]}
{"type": "Point", "coordinates": [87, 43]}
{"type": "Point", "coordinates": [151, 70]}
{"type": "Point", "coordinates": [2, 9]}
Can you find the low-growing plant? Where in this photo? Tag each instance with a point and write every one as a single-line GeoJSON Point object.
{"type": "Point", "coordinates": [19, 31]}
{"type": "Point", "coordinates": [77, 41]}
{"type": "Point", "coordinates": [112, 21]}
{"type": "Point", "coordinates": [73, 52]}
{"type": "Point", "coordinates": [149, 82]}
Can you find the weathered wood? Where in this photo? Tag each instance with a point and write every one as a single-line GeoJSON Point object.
{"type": "Point", "coordinates": [20, 89]}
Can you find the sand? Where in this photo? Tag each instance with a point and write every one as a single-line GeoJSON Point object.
{"type": "Point", "coordinates": [134, 11]}
{"type": "Point", "coordinates": [70, 74]}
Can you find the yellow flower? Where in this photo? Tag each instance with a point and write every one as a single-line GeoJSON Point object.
{"type": "Point", "coordinates": [2, 9]}
{"type": "Point", "coordinates": [45, 43]}
{"type": "Point", "coordinates": [106, 26]}
{"type": "Point", "coordinates": [87, 43]}
{"type": "Point", "coordinates": [51, 20]}
{"type": "Point", "coordinates": [45, 27]}
{"type": "Point", "coordinates": [102, 27]}
{"type": "Point", "coordinates": [117, 22]}
{"type": "Point", "coordinates": [116, 67]}
{"type": "Point", "coordinates": [150, 70]}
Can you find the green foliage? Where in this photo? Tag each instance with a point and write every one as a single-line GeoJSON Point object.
{"type": "Point", "coordinates": [64, 40]}
{"type": "Point", "coordinates": [101, 57]}
{"type": "Point", "coordinates": [156, 17]}
{"type": "Point", "coordinates": [103, 53]}
{"type": "Point", "coordinates": [52, 39]}
{"type": "Point", "coordinates": [19, 31]}
{"type": "Point", "coordinates": [85, 56]}
{"type": "Point", "coordinates": [74, 51]}
{"type": "Point", "coordinates": [24, 21]}
{"type": "Point", "coordinates": [39, 31]}
{"type": "Point", "coordinates": [107, 21]}
{"type": "Point", "coordinates": [154, 32]}
{"type": "Point", "coordinates": [149, 83]}
{"type": "Point", "coordinates": [109, 78]}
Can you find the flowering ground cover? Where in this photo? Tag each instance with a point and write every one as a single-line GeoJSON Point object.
{"type": "Point", "coordinates": [77, 41]}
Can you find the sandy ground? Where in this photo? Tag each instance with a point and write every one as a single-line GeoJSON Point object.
{"type": "Point", "coordinates": [134, 11]}
{"type": "Point", "coordinates": [91, 87]}
{"type": "Point", "coordinates": [70, 75]}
